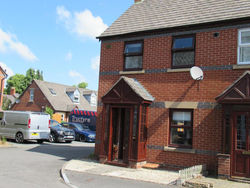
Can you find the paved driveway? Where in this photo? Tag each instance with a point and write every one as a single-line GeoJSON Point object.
{"type": "Point", "coordinates": [32, 165]}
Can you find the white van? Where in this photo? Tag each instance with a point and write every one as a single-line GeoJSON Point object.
{"type": "Point", "coordinates": [20, 125]}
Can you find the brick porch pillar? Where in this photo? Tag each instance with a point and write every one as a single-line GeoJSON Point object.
{"type": "Point", "coordinates": [223, 166]}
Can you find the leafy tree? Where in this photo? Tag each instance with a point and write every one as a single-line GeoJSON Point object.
{"type": "Point", "coordinates": [83, 85]}
{"type": "Point", "coordinates": [39, 75]}
{"type": "Point", "coordinates": [18, 81]}
{"type": "Point", "coordinates": [49, 111]}
{"type": "Point", "coordinates": [30, 75]}
{"type": "Point", "coordinates": [6, 104]}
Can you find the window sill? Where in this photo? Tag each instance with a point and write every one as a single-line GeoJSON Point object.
{"type": "Point", "coordinates": [132, 72]}
{"type": "Point", "coordinates": [180, 150]}
{"type": "Point", "coordinates": [243, 66]}
{"type": "Point", "coordinates": [179, 70]}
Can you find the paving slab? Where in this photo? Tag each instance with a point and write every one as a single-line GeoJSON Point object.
{"type": "Point", "coordinates": [218, 183]}
{"type": "Point", "coordinates": [148, 175]}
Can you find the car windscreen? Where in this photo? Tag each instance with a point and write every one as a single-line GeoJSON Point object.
{"type": "Point", "coordinates": [78, 126]}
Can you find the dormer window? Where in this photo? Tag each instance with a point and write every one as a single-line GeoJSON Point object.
{"type": "Point", "coordinates": [76, 99]}
{"type": "Point", "coordinates": [52, 91]}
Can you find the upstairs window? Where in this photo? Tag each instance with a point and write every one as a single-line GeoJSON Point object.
{"type": "Point", "coordinates": [244, 46]}
{"type": "Point", "coordinates": [133, 55]}
{"type": "Point", "coordinates": [183, 50]}
{"type": "Point", "coordinates": [31, 94]}
{"type": "Point", "coordinates": [181, 128]}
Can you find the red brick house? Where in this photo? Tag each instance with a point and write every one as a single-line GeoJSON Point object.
{"type": "Point", "coordinates": [3, 76]}
{"type": "Point", "coordinates": [62, 99]}
{"type": "Point", "coordinates": [151, 110]}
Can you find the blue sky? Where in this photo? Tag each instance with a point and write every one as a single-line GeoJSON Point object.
{"type": "Point", "coordinates": [56, 36]}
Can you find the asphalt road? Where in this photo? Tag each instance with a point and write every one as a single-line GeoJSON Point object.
{"type": "Point", "coordinates": [32, 165]}
{"type": "Point", "coordinates": [85, 180]}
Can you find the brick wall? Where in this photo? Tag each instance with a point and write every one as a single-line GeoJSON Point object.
{"type": "Point", "coordinates": [2, 89]}
{"type": "Point", "coordinates": [216, 55]}
{"type": "Point", "coordinates": [39, 100]}
{"type": "Point", "coordinates": [223, 166]}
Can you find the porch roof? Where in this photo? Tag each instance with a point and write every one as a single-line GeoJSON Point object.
{"type": "Point", "coordinates": [238, 92]}
{"type": "Point", "coordinates": [134, 85]}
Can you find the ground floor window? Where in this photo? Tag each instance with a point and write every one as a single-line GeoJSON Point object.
{"type": "Point", "coordinates": [181, 128]}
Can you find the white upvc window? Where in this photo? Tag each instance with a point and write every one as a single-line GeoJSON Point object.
{"type": "Point", "coordinates": [244, 46]}
{"type": "Point", "coordinates": [31, 94]}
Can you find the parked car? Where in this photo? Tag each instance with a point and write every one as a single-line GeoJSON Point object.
{"type": "Point", "coordinates": [82, 133]}
{"type": "Point", "coordinates": [21, 126]}
{"type": "Point", "coordinates": [58, 133]}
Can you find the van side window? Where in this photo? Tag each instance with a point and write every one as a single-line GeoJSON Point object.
{"type": "Point", "coordinates": [1, 115]}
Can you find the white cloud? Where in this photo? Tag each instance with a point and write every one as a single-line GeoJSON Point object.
{"type": "Point", "coordinates": [68, 56]}
{"type": "Point", "coordinates": [76, 75]}
{"type": "Point", "coordinates": [9, 42]}
{"type": "Point", "coordinates": [7, 69]}
{"type": "Point", "coordinates": [95, 63]}
{"type": "Point", "coordinates": [62, 13]}
{"type": "Point", "coordinates": [84, 23]}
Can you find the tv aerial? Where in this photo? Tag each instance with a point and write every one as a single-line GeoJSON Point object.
{"type": "Point", "coordinates": [196, 73]}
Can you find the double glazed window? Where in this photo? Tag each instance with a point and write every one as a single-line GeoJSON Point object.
{"type": "Point", "coordinates": [133, 55]}
{"type": "Point", "coordinates": [31, 94]}
{"type": "Point", "coordinates": [244, 47]}
{"type": "Point", "coordinates": [183, 52]}
{"type": "Point", "coordinates": [181, 128]}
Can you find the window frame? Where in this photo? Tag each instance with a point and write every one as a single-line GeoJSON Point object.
{"type": "Point", "coordinates": [32, 91]}
{"type": "Point", "coordinates": [242, 45]}
{"type": "Point", "coordinates": [132, 54]}
{"type": "Point", "coordinates": [176, 126]}
{"type": "Point", "coordinates": [183, 50]}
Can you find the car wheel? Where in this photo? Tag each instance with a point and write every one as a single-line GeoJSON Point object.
{"type": "Point", "coordinates": [82, 138]}
{"type": "Point", "coordinates": [77, 137]}
{"type": "Point", "coordinates": [19, 137]}
{"type": "Point", "coordinates": [39, 141]}
{"type": "Point", "coordinates": [52, 138]}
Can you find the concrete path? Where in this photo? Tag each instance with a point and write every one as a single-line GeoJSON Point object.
{"type": "Point", "coordinates": [147, 175]}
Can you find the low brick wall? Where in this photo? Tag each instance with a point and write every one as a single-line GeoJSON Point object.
{"type": "Point", "coordinates": [223, 166]}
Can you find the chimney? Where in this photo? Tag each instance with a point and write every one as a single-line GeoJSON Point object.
{"type": "Point", "coordinates": [138, 1]}
{"type": "Point", "coordinates": [12, 91]}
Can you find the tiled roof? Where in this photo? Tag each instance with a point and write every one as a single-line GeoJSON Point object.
{"type": "Point", "coordinates": [61, 101]}
{"type": "Point", "coordinates": [161, 14]}
{"type": "Point", "coordinates": [136, 87]}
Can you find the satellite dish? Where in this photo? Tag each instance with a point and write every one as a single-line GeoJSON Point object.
{"type": "Point", "coordinates": [196, 73]}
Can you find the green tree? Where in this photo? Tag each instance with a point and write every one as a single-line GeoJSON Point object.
{"type": "Point", "coordinates": [39, 75]}
{"type": "Point", "coordinates": [6, 103]}
{"type": "Point", "coordinates": [21, 82]}
{"type": "Point", "coordinates": [49, 111]}
{"type": "Point", "coordinates": [30, 75]}
{"type": "Point", "coordinates": [83, 85]}
{"type": "Point", "coordinates": [18, 81]}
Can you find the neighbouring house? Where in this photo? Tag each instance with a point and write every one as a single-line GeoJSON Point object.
{"type": "Point", "coordinates": [3, 76]}
{"type": "Point", "coordinates": [62, 99]}
{"type": "Point", "coordinates": [9, 100]}
{"type": "Point", "coordinates": [150, 109]}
